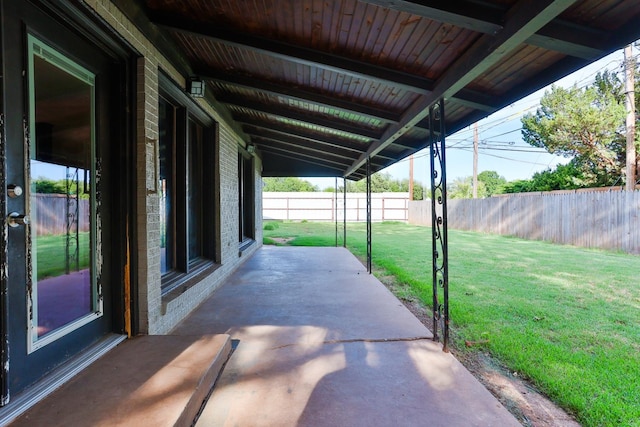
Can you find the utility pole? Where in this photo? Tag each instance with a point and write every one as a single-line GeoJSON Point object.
{"type": "Point", "coordinates": [475, 160]}
{"type": "Point", "coordinates": [629, 71]}
{"type": "Point", "coordinates": [411, 177]}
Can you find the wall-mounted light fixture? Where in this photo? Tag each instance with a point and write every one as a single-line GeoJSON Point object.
{"type": "Point", "coordinates": [251, 148]}
{"type": "Point", "coordinates": [195, 87]}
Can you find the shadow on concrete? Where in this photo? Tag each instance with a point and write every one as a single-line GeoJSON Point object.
{"type": "Point", "coordinates": [324, 343]}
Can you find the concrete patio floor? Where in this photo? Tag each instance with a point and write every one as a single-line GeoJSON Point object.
{"type": "Point", "coordinates": [322, 343]}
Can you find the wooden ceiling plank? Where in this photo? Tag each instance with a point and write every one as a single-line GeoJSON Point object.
{"type": "Point", "coordinates": [301, 55]}
{"type": "Point", "coordinates": [567, 48]}
{"type": "Point", "coordinates": [266, 130]}
{"type": "Point", "coordinates": [298, 94]}
{"type": "Point", "coordinates": [308, 154]}
{"type": "Point", "coordinates": [571, 39]}
{"type": "Point", "coordinates": [295, 147]}
{"type": "Point", "coordinates": [287, 154]}
{"type": "Point", "coordinates": [310, 145]}
{"type": "Point", "coordinates": [256, 128]}
{"type": "Point", "coordinates": [559, 35]}
{"type": "Point", "coordinates": [523, 20]}
{"type": "Point", "coordinates": [476, 100]}
{"type": "Point", "coordinates": [463, 14]}
{"type": "Point", "coordinates": [253, 126]}
{"type": "Point", "coordinates": [270, 133]}
{"type": "Point", "coordinates": [287, 113]}
{"type": "Point", "coordinates": [298, 54]}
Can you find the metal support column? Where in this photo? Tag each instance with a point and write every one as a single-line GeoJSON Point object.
{"type": "Point", "coordinates": [344, 216]}
{"type": "Point", "coordinates": [72, 241]}
{"type": "Point", "coordinates": [440, 252]}
{"type": "Point", "coordinates": [335, 207]}
{"type": "Point", "coordinates": [369, 214]}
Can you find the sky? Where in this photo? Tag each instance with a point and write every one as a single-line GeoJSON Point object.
{"type": "Point", "coordinates": [501, 147]}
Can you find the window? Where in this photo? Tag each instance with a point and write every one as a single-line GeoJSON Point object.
{"type": "Point", "coordinates": [246, 198]}
{"type": "Point", "coordinates": [166, 145]}
{"type": "Point", "coordinates": [196, 185]}
{"type": "Point", "coordinates": [187, 187]}
{"type": "Point", "coordinates": [62, 201]}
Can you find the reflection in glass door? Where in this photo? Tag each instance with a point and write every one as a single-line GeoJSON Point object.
{"type": "Point", "coordinates": [63, 287]}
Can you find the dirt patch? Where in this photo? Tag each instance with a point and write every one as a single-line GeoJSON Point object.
{"type": "Point", "coordinates": [282, 240]}
{"type": "Point", "coordinates": [527, 404]}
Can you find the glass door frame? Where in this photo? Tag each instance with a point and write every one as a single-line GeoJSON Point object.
{"type": "Point", "coordinates": [36, 47]}
{"type": "Point", "coordinates": [74, 29]}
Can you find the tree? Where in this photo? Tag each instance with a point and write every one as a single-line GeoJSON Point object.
{"type": "Point", "coordinates": [49, 186]}
{"type": "Point", "coordinates": [289, 184]}
{"type": "Point", "coordinates": [563, 177]}
{"type": "Point", "coordinates": [489, 183]}
{"type": "Point", "coordinates": [584, 124]}
{"type": "Point", "coordinates": [518, 186]}
{"type": "Point", "coordinates": [382, 182]}
{"type": "Point", "coordinates": [492, 181]}
{"type": "Point", "coordinates": [462, 188]}
{"type": "Point", "coordinates": [418, 189]}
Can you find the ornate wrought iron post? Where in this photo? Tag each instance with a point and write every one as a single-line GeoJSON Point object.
{"type": "Point", "coordinates": [440, 253]}
{"type": "Point", "coordinates": [369, 214]}
{"type": "Point", "coordinates": [72, 252]}
{"type": "Point", "coordinates": [335, 207]}
{"type": "Point", "coordinates": [344, 215]}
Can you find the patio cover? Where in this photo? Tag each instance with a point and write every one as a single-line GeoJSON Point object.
{"type": "Point", "coordinates": [318, 86]}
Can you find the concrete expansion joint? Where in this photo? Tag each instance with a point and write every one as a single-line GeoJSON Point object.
{"type": "Point", "coordinates": [372, 340]}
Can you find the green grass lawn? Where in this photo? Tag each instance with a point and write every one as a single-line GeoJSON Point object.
{"type": "Point", "coordinates": [565, 318]}
{"type": "Point", "coordinates": [50, 252]}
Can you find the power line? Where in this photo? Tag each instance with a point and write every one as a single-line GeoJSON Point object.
{"type": "Point", "coordinates": [509, 158]}
{"type": "Point", "coordinates": [464, 143]}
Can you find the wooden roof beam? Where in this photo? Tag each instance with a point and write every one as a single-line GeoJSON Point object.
{"type": "Point", "coordinates": [463, 14]}
{"type": "Point", "coordinates": [288, 113]}
{"type": "Point", "coordinates": [267, 130]}
{"type": "Point", "coordinates": [306, 56]}
{"type": "Point", "coordinates": [262, 132]}
{"type": "Point", "coordinates": [297, 94]}
{"type": "Point", "coordinates": [255, 128]}
{"type": "Point", "coordinates": [288, 155]}
{"type": "Point", "coordinates": [254, 125]}
{"type": "Point", "coordinates": [571, 39]}
{"type": "Point", "coordinates": [292, 145]}
{"type": "Point", "coordinates": [315, 152]}
{"type": "Point", "coordinates": [558, 35]}
{"type": "Point", "coordinates": [523, 20]}
{"type": "Point", "coordinates": [286, 149]}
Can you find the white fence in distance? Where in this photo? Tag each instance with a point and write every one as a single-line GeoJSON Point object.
{"type": "Point", "coordinates": [324, 206]}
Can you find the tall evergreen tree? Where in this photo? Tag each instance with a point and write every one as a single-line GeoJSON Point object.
{"type": "Point", "coordinates": [586, 125]}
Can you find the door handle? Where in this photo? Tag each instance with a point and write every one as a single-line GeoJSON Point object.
{"type": "Point", "coordinates": [14, 191]}
{"type": "Point", "coordinates": [15, 219]}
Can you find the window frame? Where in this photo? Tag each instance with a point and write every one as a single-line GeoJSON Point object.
{"type": "Point", "coordinates": [185, 271]}
{"type": "Point", "coordinates": [246, 199]}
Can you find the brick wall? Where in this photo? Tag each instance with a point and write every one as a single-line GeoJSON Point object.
{"type": "Point", "coordinates": [158, 316]}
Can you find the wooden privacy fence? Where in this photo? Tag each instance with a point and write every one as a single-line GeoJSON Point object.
{"type": "Point", "coordinates": [323, 206]}
{"type": "Point", "coordinates": [599, 219]}
{"type": "Point", "coordinates": [50, 216]}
